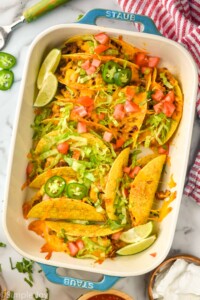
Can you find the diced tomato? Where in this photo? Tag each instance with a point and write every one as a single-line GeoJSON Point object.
{"type": "Point", "coordinates": [157, 95]}
{"type": "Point", "coordinates": [158, 107]}
{"type": "Point", "coordinates": [127, 170]}
{"type": "Point", "coordinates": [107, 136]}
{"type": "Point", "coordinates": [119, 112]}
{"type": "Point", "coordinates": [91, 70]}
{"type": "Point", "coordinates": [81, 127]}
{"type": "Point", "coordinates": [102, 38]}
{"type": "Point", "coordinates": [153, 61]}
{"type": "Point", "coordinates": [141, 59]}
{"type": "Point", "coordinates": [96, 62]}
{"type": "Point", "coordinates": [80, 244]}
{"type": "Point", "coordinates": [168, 108]}
{"type": "Point", "coordinates": [119, 143]}
{"type": "Point", "coordinates": [101, 116]}
{"type": "Point", "coordinates": [85, 101]}
{"type": "Point", "coordinates": [115, 236]}
{"type": "Point", "coordinates": [37, 111]}
{"type": "Point", "coordinates": [63, 147]}
{"type": "Point", "coordinates": [86, 65]}
{"type": "Point", "coordinates": [76, 154]}
{"type": "Point", "coordinates": [134, 171]}
{"type": "Point", "coordinates": [146, 70]}
{"type": "Point", "coordinates": [29, 168]}
{"type": "Point", "coordinates": [89, 110]}
{"type": "Point", "coordinates": [100, 48]}
{"type": "Point", "coordinates": [80, 110]}
{"type": "Point", "coordinates": [130, 93]}
{"type": "Point", "coordinates": [73, 248]}
{"type": "Point", "coordinates": [170, 97]}
{"type": "Point", "coordinates": [130, 106]}
{"type": "Point", "coordinates": [45, 197]}
{"type": "Point", "coordinates": [126, 193]}
{"type": "Point", "coordinates": [163, 149]}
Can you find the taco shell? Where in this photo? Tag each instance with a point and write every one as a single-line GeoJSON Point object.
{"type": "Point", "coordinates": [40, 180]}
{"type": "Point", "coordinates": [64, 208]}
{"type": "Point", "coordinates": [115, 174]}
{"type": "Point", "coordinates": [81, 229]}
{"type": "Point", "coordinates": [143, 190]}
{"type": "Point", "coordinates": [79, 43]}
{"type": "Point", "coordinates": [45, 143]}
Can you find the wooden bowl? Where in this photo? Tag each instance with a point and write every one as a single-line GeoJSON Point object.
{"type": "Point", "coordinates": [166, 264]}
{"type": "Point", "coordinates": [118, 295]}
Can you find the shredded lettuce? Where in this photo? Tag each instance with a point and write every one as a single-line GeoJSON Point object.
{"type": "Point", "coordinates": [114, 224]}
{"type": "Point", "coordinates": [97, 249]}
{"type": "Point", "coordinates": [159, 125]}
{"type": "Point", "coordinates": [49, 153]}
{"type": "Point", "coordinates": [62, 235]}
{"type": "Point", "coordinates": [165, 81]}
{"type": "Point", "coordinates": [134, 157]}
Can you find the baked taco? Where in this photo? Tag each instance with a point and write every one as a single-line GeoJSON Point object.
{"type": "Point", "coordinates": [65, 209]}
{"type": "Point", "coordinates": [112, 46]}
{"type": "Point", "coordinates": [143, 189]}
{"type": "Point", "coordinates": [64, 149]}
{"type": "Point", "coordinates": [114, 175]}
{"type": "Point", "coordinates": [164, 111]}
{"type": "Point", "coordinates": [81, 230]}
{"type": "Point", "coordinates": [80, 71]}
{"type": "Point", "coordinates": [96, 243]}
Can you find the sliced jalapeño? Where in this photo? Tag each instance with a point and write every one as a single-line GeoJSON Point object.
{"type": "Point", "coordinates": [109, 70]}
{"type": "Point", "coordinates": [123, 77]}
{"type": "Point", "coordinates": [76, 190]}
{"type": "Point", "coordinates": [7, 60]}
{"type": "Point", "coordinates": [6, 79]}
{"type": "Point", "coordinates": [54, 186]}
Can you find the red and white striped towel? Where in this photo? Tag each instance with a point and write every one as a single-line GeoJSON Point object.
{"type": "Point", "coordinates": [192, 188]}
{"type": "Point", "coordinates": [178, 20]}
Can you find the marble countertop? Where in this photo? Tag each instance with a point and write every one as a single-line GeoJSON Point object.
{"type": "Point", "coordinates": [186, 239]}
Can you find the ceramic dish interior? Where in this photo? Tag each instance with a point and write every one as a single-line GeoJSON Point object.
{"type": "Point", "coordinates": [174, 57]}
{"type": "Point", "coordinates": [165, 265]}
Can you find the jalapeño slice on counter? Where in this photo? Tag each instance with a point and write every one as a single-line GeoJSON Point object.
{"type": "Point", "coordinates": [6, 79]}
{"type": "Point", "coordinates": [109, 70]}
{"type": "Point", "coordinates": [76, 190]}
{"type": "Point", "coordinates": [7, 61]}
{"type": "Point", "coordinates": [54, 186]}
{"type": "Point", "coordinates": [123, 77]}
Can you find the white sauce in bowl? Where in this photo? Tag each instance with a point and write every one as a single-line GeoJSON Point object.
{"type": "Point", "coordinates": [181, 281]}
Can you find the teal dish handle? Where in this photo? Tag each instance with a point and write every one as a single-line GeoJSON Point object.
{"type": "Point", "coordinates": [91, 16]}
{"type": "Point", "coordinates": [106, 283]}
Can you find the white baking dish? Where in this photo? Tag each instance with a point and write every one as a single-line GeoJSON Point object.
{"type": "Point", "coordinates": [28, 244]}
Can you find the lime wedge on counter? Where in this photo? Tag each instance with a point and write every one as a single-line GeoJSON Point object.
{"type": "Point", "coordinates": [47, 91]}
{"type": "Point", "coordinates": [137, 247]}
{"type": "Point", "coordinates": [137, 233]}
{"type": "Point", "coordinates": [49, 64]}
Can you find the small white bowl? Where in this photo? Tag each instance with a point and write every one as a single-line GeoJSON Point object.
{"type": "Point", "coordinates": [166, 264]}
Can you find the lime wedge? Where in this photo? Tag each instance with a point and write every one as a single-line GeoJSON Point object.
{"type": "Point", "coordinates": [49, 64]}
{"type": "Point", "coordinates": [137, 247]}
{"type": "Point", "coordinates": [47, 91]}
{"type": "Point", "coordinates": [137, 233]}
